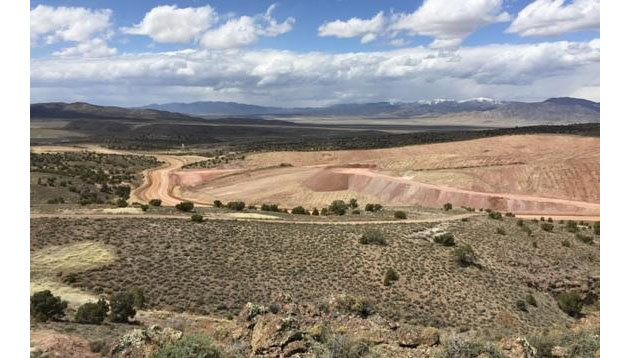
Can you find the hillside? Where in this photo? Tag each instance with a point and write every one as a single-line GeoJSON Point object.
{"type": "Point", "coordinates": [80, 110]}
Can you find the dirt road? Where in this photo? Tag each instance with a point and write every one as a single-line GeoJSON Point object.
{"type": "Point", "coordinates": [158, 183]}
{"type": "Point", "coordinates": [225, 217]}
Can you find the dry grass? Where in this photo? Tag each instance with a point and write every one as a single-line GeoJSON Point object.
{"type": "Point", "coordinates": [49, 265]}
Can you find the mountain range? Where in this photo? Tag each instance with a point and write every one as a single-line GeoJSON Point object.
{"type": "Point", "coordinates": [563, 110]}
{"type": "Point", "coordinates": [553, 110]}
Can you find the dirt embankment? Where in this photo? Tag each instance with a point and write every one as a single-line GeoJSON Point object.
{"type": "Point", "coordinates": [403, 191]}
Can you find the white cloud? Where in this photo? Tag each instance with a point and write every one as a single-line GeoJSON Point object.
{"type": "Point", "coordinates": [92, 48]}
{"type": "Point", "coordinates": [275, 77]}
{"type": "Point", "coordinates": [78, 24]}
{"type": "Point", "coordinates": [367, 29]}
{"type": "Point", "coordinates": [246, 30]}
{"type": "Point", "coordinates": [554, 17]}
{"type": "Point", "coordinates": [169, 24]}
{"type": "Point", "coordinates": [449, 22]}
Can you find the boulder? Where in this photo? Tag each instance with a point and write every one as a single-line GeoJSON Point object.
{"type": "Point", "coordinates": [271, 332]}
{"type": "Point", "coordinates": [249, 312]}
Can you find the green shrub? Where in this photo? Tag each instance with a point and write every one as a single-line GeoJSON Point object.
{"type": "Point", "coordinates": [465, 255]}
{"type": "Point", "coordinates": [353, 204]}
{"type": "Point", "coordinates": [521, 305]}
{"type": "Point", "coordinates": [236, 205]}
{"type": "Point", "coordinates": [185, 206]}
{"type": "Point", "coordinates": [500, 231]}
{"type": "Point", "coordinates": [144, 207]}
{"type": "Point", "coordinates": [546, 226]}
{"type": "Point", "coordinates": [92, 313]}
{"type": "Point", "coordinates": [566, 243]}
{"type": "Point", "coordinates": [196, 218]}
{"type": "Point", "coordinates": [390, 275]}
{"type": "Point", "coordinates": [341, 346]}
{"type": "Point", "coordinates": [218, 204]}
{"type": "Point", "coordinates": [584, 238]}
{"type": "Point", "coordinates": [324, 211]}
{"type": "Point", "coordinates": [448, 206]}
{"type": "Point", "coordinates": [549, 219]}
{"type": "Point", "coordinates": [373, 207]}
{"type": "Point", "coordinates": [338, 207]}
{"type": "Point", "coordinates": [445, 239]}
{"type": "Point", "coordinates": [45, 306]}
{"type": "Point", "coordinates": [570, 302]}
{"type": "Point", "coordinates": [122, 307]}
{"type": "Point", "coordinates": [534, 244]}
{"type": "Point", "coordinates": [121, 203]}
{"type": "Point", "coordinates": [572, 226]}
{"type": "Point", "coordinates": [596, 228]}
{"type": "Point", "coordinates": [520, 222]}
{"type": "Point", "coordinates": [190, 346]}
{"type": "Point", "coordinates": [531, 300]}
{"type": "Point", "coordinates": [155, 202]}
{"type": "Point", "coordinates": [355, 304]}
{"type": "Point", "coordinates": [510, 215]}
{"type": "Point", "coordinates": [299, 210]}
{"type": "Point", "coordinates": [372, 237]}
{"type": "Point", "coordinates": [269, 207]}
{"type": "Point", "coordinates": [527, 230]}
{"type": "Point", "coordinates": [495, 215]}
{"type": "Point", "coordinates": [139, 300]}
{"type": "Point", "coordinates": [315, 212]}
{"type": "Point", "coordinates": [401, 215]}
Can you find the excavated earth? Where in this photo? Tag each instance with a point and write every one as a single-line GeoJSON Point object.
{"type": "Point", "coordinates": [527, 174]}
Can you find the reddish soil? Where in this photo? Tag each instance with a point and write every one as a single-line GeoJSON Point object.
{"type": "Point", "coordinates": [529, 174]}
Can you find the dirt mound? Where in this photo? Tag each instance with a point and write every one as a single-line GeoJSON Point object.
{"type": "Point", "coordinates": [401, 191]}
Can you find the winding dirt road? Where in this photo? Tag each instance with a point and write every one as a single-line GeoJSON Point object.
{"type": "Point", "coordinates": [158, 183]}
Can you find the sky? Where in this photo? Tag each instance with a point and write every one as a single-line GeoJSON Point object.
{"type": "Point", "coordinates": [312, 53]}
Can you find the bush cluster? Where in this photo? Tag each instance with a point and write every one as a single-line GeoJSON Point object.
{"type": "Point", "coordinates": [236, 205]}
{"type": "Point", "coordinates": [185, 206]}
{"type": "Point", "coordinates": [372, 237]}
{"type": "Point", "coordinates": [45, 306]}
{"type": "Point", "coordinates": [399, 214]}
{"type": "Point", "coordinates": [373, 207]}
{"type": "Point", "coordinates": [445, 239]}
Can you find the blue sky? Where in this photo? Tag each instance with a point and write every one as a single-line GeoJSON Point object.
{"type": "Point", "coordinates": [272, 52]}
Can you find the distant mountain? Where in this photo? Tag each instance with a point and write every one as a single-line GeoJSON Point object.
{"type": "Point", "coordinates": [80, 110]}
{"type": "Point", "coordinates": [554, 110]}
{"type": "Point", "coordinates": [215, 108]}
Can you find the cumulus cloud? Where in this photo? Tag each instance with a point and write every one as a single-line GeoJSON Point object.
{"type": "Point", "coordinates": [246, 30]}
{"type": "Point", "coordinates": [448, 22]}
{"type": "Point", "coordinates": [288, 78]}
{"type": "Point", "coordinates": [78, 24]}
{"type": "Point", "coordinates": [367, 29]}
{"type": "Point", "coordinates": [170, 24]}
{"type": "Point", "coordinates": [92, 48]}
{"type": "Point", "coordinates": [554, 17]}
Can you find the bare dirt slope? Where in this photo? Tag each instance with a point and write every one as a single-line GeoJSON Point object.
{"type": "Point", "coordinates": [535, 174]}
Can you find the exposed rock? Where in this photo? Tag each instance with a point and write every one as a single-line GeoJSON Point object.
{"type": "Point", "coordinates": [518, 348]}
{"type": "Point", "coordinates": [272, 332]}
{"type": "Point", "coordinates": [249, 312]}
{"type": "Point", "coordinates": [409, 336]}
